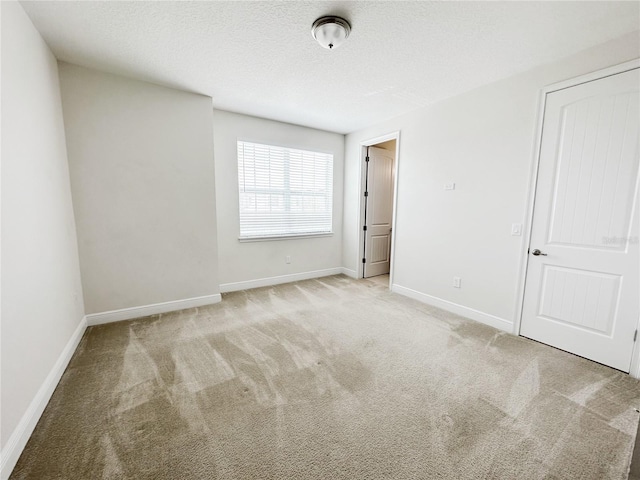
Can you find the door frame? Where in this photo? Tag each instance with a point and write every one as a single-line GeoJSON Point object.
{"type": "Point", "coordinates": [361, 205]}
{"type": "Point", "coordinates": [533, 182]}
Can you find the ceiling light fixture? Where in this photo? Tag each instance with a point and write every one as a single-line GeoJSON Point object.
{"type": "Point", "coordinates": [330, 31]}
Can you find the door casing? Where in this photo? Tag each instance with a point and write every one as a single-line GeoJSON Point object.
{"type": "Point", "coordinates": [533, 180]}
{"type": "Point", "coordinates": [361, 204]}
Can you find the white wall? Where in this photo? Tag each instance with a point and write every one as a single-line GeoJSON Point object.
{"type": "Point", "coordinates": [41, 288]}
{"type": "Point", "coordinates": [248, 261]}
{"type": "Point", "coordinates": [142, 178]}
{"type": "Point", "coordinates": [388, 145]}
{"type": "Point", "coordinates": [483, 141]}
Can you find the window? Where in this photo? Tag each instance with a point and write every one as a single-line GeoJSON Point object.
{"type": "Point", "coordinates": [284, 191]}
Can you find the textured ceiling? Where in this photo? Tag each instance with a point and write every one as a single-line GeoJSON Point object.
{"type": "Point", "coordinates": [259, 58]}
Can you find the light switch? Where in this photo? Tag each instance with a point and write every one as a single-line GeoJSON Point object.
{"type": "Point", "coordinates": [516, 229]}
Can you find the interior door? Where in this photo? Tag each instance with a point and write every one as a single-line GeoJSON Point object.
{"type": "Point", "coordinates": [379, 212]}
{"type": "Point", "coordinates": [582, 285]}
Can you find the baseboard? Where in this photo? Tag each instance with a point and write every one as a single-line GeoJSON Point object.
{"type": "Point", "coordinates": [477, 315]}
{"type": "Point", "coordinates": [267, 282]}
{"type": "Point", "coordinates": [153, 309]}
{"type": "Point", "coordinates": [349, 273]}
{"type": "Point", "coordinates": [20, 436]}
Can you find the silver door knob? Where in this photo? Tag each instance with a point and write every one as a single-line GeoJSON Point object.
{"type": "Point", "coordinates": [537, 252]}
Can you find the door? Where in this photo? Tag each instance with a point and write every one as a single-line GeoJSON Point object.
{"type": "Point", "coordinates": [582, 285]}
{"type": "Point", "coordinates": [378, 211]}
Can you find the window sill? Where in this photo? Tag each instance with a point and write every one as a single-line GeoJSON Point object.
{"type": "Point", "coordinates": [283, 237]}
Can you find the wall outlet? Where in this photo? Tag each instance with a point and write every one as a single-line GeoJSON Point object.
{"type": "Point", "coordinates": [287, 259]}
{"type": "Point", "coordinates": [450, 186]}
{"type": "Point", "coordinates": [456, 282]}
{"type": "Point", "coordinates": [516, 229]}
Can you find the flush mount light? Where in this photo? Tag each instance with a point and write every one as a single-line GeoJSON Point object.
{"type": "Point", "coordinates": [330, 31]}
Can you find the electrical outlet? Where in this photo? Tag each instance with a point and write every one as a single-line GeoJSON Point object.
{"type": "Point", "coordinates": [456, 282]}
{"type": "Point", "coordinates": [516, 229]}
{"type": "Point", "coordinates": [450, 186]}
{"type": "Point", "coordinates": [287, 259]}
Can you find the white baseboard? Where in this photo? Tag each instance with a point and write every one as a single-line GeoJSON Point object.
{"type": "Point", "coordinates": [477, 315]}
{"type": "Point", "coordinates": [349, 273]}
{"type": "Point", "coordinates": [267, 282]}
{"type": "Point", "coordinates": [18, 439]}
{"type": "Point", "coordinates": [153, 309]}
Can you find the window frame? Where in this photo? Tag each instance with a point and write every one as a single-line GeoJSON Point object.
{"type": "Point", "coordinates": [284, 236]}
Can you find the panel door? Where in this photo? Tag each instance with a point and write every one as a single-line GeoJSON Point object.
{"type": "Point", "coordinates": [379, 208]}
{"type": "Point", "coordinates": [582, 285]}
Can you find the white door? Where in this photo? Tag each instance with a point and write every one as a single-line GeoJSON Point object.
{"type": "Point", "coordinates": [582, 285]}
{"type": "Point", "coordinates": [378, 212]}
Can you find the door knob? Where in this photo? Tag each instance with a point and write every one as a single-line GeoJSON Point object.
{"type": "Point", "coordinates": [537, 252]}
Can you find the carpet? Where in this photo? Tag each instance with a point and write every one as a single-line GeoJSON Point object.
{"type": "Point", "coordinates": [330, 378]}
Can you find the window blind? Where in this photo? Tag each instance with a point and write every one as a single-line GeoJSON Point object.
{"type": "Point", "coordinates": [284, 191]}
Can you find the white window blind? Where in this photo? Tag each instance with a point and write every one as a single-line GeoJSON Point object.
{"type": "Point", "coordinates": [284, 191]}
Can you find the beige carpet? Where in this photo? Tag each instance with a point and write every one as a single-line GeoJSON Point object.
{"type": "Point", "coordinates": [329, 379]}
